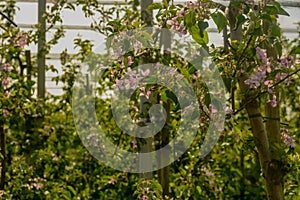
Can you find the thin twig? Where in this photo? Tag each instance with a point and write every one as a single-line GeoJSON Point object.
{"type": "Point", "coordinates": [11, 21]}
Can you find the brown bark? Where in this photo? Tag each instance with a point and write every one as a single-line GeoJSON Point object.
{"type": "Point", "coordinates": [275, 173]}
{"type": "Point", "coordinates": [163, 173]}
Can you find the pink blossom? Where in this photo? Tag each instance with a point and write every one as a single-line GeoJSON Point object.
{"type": "Point", "coordinates": [212, 109]}
{"type": "Point", "coordinates": [137, 47]}
{"type": "Point", "coordinates": [289, 141]}
{"type": "Point", "coordinates": [52, 154]}
{"type": "Point", "coordinates": [268, 65]}
{"type": "Point", "coordinates": [229, 111]}
{"type": "Point", "coordinates": [287, 62]}
{"type": "Point", "coordinates": [117, 81]}
{"type": "Point", "coordinates": [112, 181]}
{"type": "Point", "coordinates": [273, 101]}
{"type": "Point", "coordinates": [143, 89]}
{"type": "Point", "coordinates": [129, 59]}
{"type": "Point", "coordinates": [181, 13]}
{"type": "Point", "coordinates": [148, 94]}
{"type": "Point", "coordinates": [122, 64]}
{"type": "Point", "coordinates": [145, 197]}
{"type": "Point", "coordinates": [21, 39]}
{"type": "Point", "coordinates": [295, 157]}
{"type": "Point", "coordinates": [145, 73]}
{"type": "Point", "coordinates": [134, 144]}
{"type": "Point", "coordinates": [5, 112]}
{"type": "Point", "coordinates": [7, 67]}
{"type": "Point", "coordinates": [190, 4]}
{"type": "Point", "coordinates": [278, 75]}
{"type": "Point", "coordinates": [255, 80]}
{"type": "Point", "coordinates": [175, 24]}
{"type": "Point", "coordinates": [7, 94]}
{"type": "Point", "coordinates": [268, 83]}
{"type": "Point", "coordinates": [262, 55]}
{"type": "Point", "coordinates": [38, 186]}
{"type": "Point", "coordinates": [5, 82]}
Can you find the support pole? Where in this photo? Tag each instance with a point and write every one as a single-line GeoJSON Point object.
{"type": "Point", "coordinates": [145, 162]}
{"type": "Point", "coordinates": [147, 15]}
{"type": "Point", "coordinates": [41, 59]}
{"type": "Point", "coordinates": [3, 152]}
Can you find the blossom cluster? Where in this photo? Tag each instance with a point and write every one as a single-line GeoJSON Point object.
{"type": "Point", "coordinates": [256, 79]}
{"type": "Point", "coordinates": [288, 140]}
{"type": "Point", "coordinates": [133, 79]}
{"type": "Point", "coordinates": [6, 68]}
{"type": "Point", "coordinates": [36, 183]}
{"type": "Point", "coordinates": [200, 7]}
{"type": "Point", "coordinates": [176, 22]}
{"type": "Point", "coordinates": [21, 39]}
{"type": "Point", "coordinates": [259, 77]}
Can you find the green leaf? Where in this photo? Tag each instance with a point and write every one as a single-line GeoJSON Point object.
{"type": "Point", "coordinates": [108, 41]}
{"type": "Point", "coordinates": [227, 83]}
{"type": "Point", "coordinates": [207, 99]}
{"type": "Point", "coordinates": [278, 47]}
{"type": "Point", "coordinates": [70, 6]}
{"type": "Point", "coordinates": [147, 36]}
{"type": "Point", "coordinates": [202, 26]}
{"type": "Point", "coordinates": [241, 19]}
{"type": "Point", "coordinates": [72, 190]}
{"type": "Point", "coordinates": [258, 31]}
{"type": "Point", "coordinates": [189, 19]}
{"type": "Point", "coordinates": [276, 9]}
{"type": "Point", "coordinates": [144, 41]}
{"type": "Point", "coordinates": [172, 96]}
{"type": "Point", "coordinates": [114, 23]}
{"type": "Point", "coordinates": [196, 34]}
{"type": "Point", "coordinates": [192, 70]}
{"type": "Point", "coordinates": [281, 11]}
{"type": "Point", "coordinates": [296, 50]}
{"type": "Point", "coordinates": [275, 30]}
{"type": "Point", "coordinates": [155, 6]}
{"type": "Point", "coordinates": [166, 4]}
{"type": "Point", "coordinates": [199, 189]}
{"type": "Point", "coordinates": [220, 20]}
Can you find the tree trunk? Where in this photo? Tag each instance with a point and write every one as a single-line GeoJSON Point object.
{"type": "Point", "coordinates": [275, 173]}
{"type": "Point", "coordinates": [264, 136]}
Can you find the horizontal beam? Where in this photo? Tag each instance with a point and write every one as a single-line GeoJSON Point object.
{"type": "Point", "coordinates": [66, 27]}
{"type": "Point", "coordinates": [88, 28]}
{"type": "Point", "coordinates": [112, 2]}
{"type": "Point", "coordinates": [74, 1]}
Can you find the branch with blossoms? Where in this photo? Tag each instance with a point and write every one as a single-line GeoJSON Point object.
{"type": "Point", "coordinates": [259, 77]}
{"type": "Point", "coordinates": [266, 91]}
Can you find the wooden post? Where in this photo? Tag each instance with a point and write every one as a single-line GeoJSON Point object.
{"type": "Point", "coordinates": [163, 174]}
{"type": "Point", "coordinates": [41, 59]}
{"type": "Point", "coordinates": [274, 178]}
{"type": "Point", "coordinates": [87, 88]}
{"type": "Point", "coordinates": [145, 161]}
{"type": "Point", "coordinates": [3, 152]}
{"type": "Point", "coordinates": [28, 64]}
{"type": "Point", "coordinates": [147, 17]}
